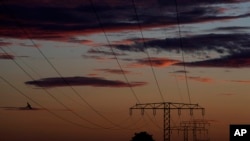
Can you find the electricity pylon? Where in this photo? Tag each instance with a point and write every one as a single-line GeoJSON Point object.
{"type": "Point", "coordinates": [167, 107]}
{"type": "Point", "coordinates": [194, 126]}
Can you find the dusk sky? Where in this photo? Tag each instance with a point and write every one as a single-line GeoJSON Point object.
{"type": "Point", "coordinates": [81, 64]}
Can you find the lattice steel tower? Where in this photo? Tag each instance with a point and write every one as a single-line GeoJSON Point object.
{"type": "Point", "coordinates": [194, 126]}
{"type": "Point", "coordinates": [167, 107]}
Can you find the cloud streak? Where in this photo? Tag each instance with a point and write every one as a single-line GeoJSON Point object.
{"type": "Point", "coordinates": [102, 52]}
{"type": "Point", "coordinates": [96, 57]}
{"type": "Point", "coordinates": [240, 81]}
{"type": "Point", "coordinates": [4, 44]}
{"type": "Point", "coordinates": [6, 56]}
{"type": "Point", "coordinates": [196, 78]}
{"type": "Point", "coordinates": [81, 81]}
{"type": "Point", "coordinates": [227, 94]}
{"type": "Point", "coordinates": [238, 60]}
{"type": "Point", "coordinates": [154, 62]}
{"type": "Point", "coordinates": [220, 43]}
{"type": "Point", "coordinates": [114, 71]}
{"type": "Point", "coordinates": [180, 71]}
{"type": "Point", "coordinates": [21, 108]}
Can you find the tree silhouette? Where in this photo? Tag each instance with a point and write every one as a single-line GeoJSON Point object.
{"type": "Point", "coordinates": [142, 136]}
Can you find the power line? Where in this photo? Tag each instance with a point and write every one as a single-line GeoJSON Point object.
{"type": "Point", "coordinates": [33, 70]}
{"type": "Point", "coordinates": [176, 80]}
{"type": "Point", "coordinates": [58, 101]}
{"type": "Point", "coordinates": [181, 46]}
{"type": "Point", "coordinates": [66, 107]}
{"type": "Point", "coordinates": [149, 58]}
{"type": "Point", "coordinates": [145, 49]}
{"type": "Point", "coordinates": [150, 61]}
{"type": "Point", "coordinates": [112, 50]}
{"type": "Point", "coordinates": [60, 75]}
{"type": "Point", "coordinates": [117, 60]}
{"type": "Point", "coordinates": [57, 116]}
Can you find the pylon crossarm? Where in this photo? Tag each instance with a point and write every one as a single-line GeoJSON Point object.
{"type": "Point", "coordinates": [184, 106]}
{"type": "Point", "coordinates": [162, 106]}
{"type": "Point", "coordinates": [167, 107]}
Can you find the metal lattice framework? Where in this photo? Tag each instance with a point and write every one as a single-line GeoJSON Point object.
{"type": "Point", "coordinates": [167, 107]}
{"type": "Point", "coordinates": [194, 126]}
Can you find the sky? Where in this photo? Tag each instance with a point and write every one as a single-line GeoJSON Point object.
{"type": "Point", "coordinates": [81, 64]}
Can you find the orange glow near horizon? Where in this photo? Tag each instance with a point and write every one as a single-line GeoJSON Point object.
{"type": "Point", "coordinates": [82, 65]}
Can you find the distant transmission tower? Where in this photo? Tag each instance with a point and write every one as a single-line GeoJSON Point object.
{"type": "Point", "coordinates": [167, 107]}
{"type": "Point", "coordinates": [195, 126]}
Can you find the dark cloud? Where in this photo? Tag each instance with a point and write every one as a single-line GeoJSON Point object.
{"type": "Point", "coordinates": [232, 28]}
{"type": "Point", "coordinates": [96, 57]}
{"type": "Point", "coordinates": [95, 51]}
{"type": "Point", "coordinates": [28, 109]}
{"type": "Point", "coordinates": [81, 81]}
{"type": "Point", "coordinates": [56, 20]}
{"type": "Point", "coordinates": [6, 56]}
{"type": "Point", "coordinates": [114, 3]}
{"type": "Point", "coordinates": [238, 60]}
{"type": "Point", "coordinates": [198, 2]}
{"type": "Point", "coordinates": [21, 108]}
{"type": "Point", "coordinates": [180, 71]}
{"type": "Point", "coordinates": [83, 41]}
{"type": "Point", "coordinates": [220, 43]}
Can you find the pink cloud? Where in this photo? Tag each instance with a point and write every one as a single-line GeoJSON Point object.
{"type": "Point", "coordinates": [196, 78]}
{"type": "Point", "coordinates": [114, 71]}
{"type": "Point", "coordinates": [154, 61]}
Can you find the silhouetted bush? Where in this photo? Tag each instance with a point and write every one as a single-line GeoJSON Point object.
{"type": "Point", "coordinates": [142, 136]}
